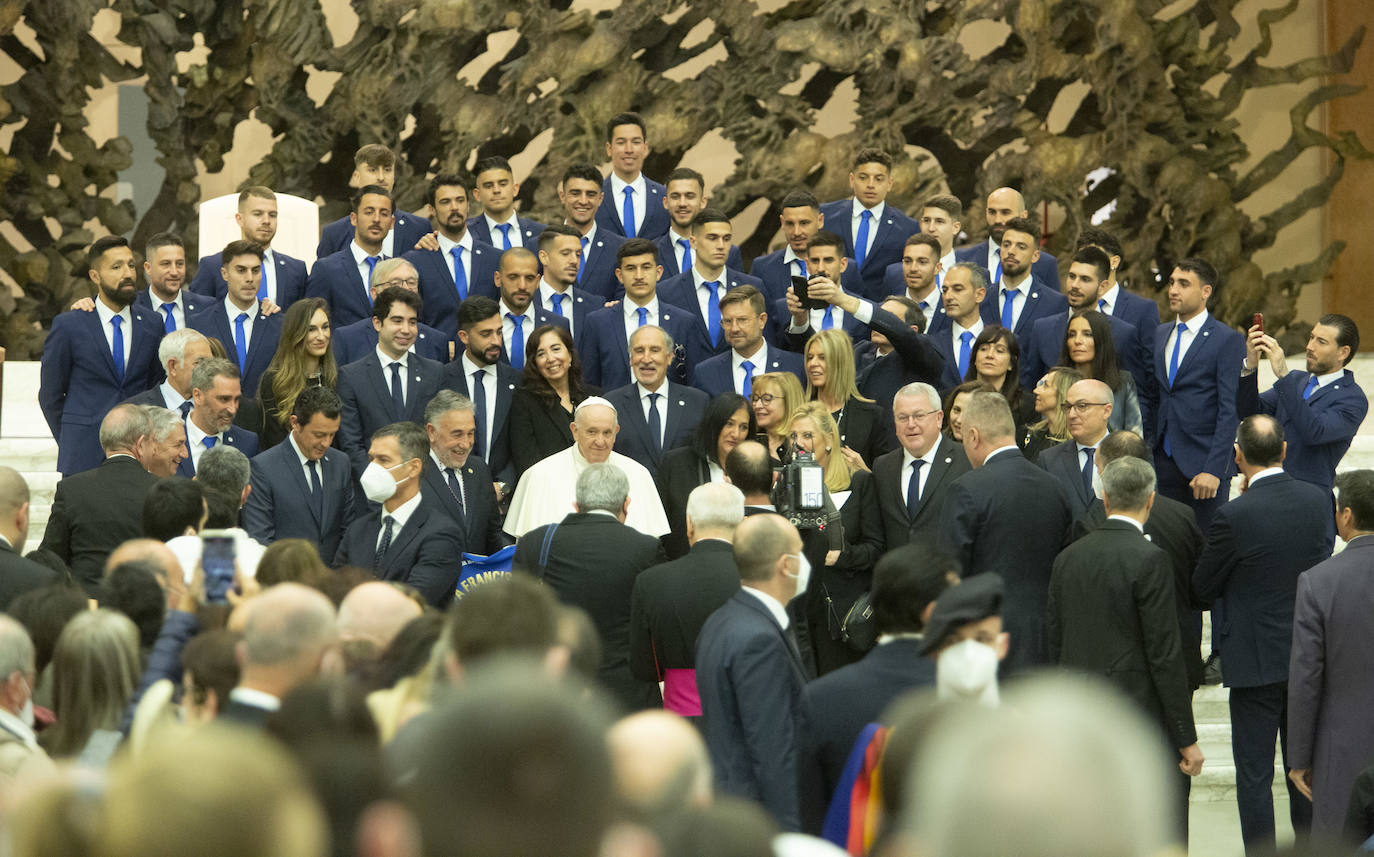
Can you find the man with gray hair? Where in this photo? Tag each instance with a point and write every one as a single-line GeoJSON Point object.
{"type": "Point", "coordinates": [95, 511]}
{"type": "Point", "coordinates": [17, 574]}
{"type": "Point", "coordinates": [659, 413]}
{"type": "Point", "coordinates": [18, 744]}
{"type": "Point", "coordinates": [672, 601]}
{"type": "Point", "coordinates": [545, 493]}
{"type": "Point", "coordinates": [1007, 517]}
{"type": "Point", "coordinates": [288, 633]}
{"type": "Point", "coordinates": [457, 480]}
{"type": "Point", "coordinates": [223, 474]}
{"type": "Point", "coordinates": [1111, 613]}
{"type": "Point", "coordinates": [590, 560]}
{"type": "Point", "coordinates": [355, 341]}
{"type": "Point", "coordinates": [164, 447]}
{"type": "Point", "coordinates": [215, 394]}
{"type": "Point", "coordinates": [180, 352]}
{"type": "Point", "coordinates": [914, 480]}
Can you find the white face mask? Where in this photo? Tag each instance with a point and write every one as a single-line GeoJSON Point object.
{"type": "Point", "coordinates": [803, 575]}
{"type": "Point", "coordinates": [968, 670]}
{"type": "Point", "coordinates": [378, 483]}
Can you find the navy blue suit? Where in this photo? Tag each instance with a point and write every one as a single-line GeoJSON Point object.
{"type": "Point", "coordinates": [528, 237]}
{"type": "Point", "coordinates": [1045, 269]}
{"type": "Point", "coordinates": [780, 326]}
{"type": "Point", "coordinates": [280, 505]}
{"type": "Point", "coordinates": [1040, 302]}
{"type": "Point", "coordinates": [437, 291]}
{"type": "Point", "coordinates": [77, 381]}
{"type": "Point", "coordinates": [597, 277]}
{"type": "Point", "coordinates": [365, 388]}
{"type": "Point", "coordinates": [336, 278]}
{"type": "Point", "coordinates": [425, 553]}
{"type": "Point", "coordinates": [681, 291]}
{"type": "Point", "coordinates": [914, 357]}
{"type": "Point", "coordinates": [888, 242]}
{"type": "Point", "coordinates": [479, 520]}
{"type": "Point", "coordinates": [191, 303]}
{"type": "Point", "coordinates": [604, 347]}
{"type": "Point", "coordinates": [669, 252]}
{"type": "Point", "coordinates": [714, 375]}
{"type": "Point", "coordinates": [1143, 314]}
{"type": "Point", "coordinates": [262, 345]}
{"type": "Point", "coordinates": [406, 231]}
{"type": "Point", "coordinates": [655, 222]}
{"type": "Point", "coordinates": [1061, 462]}
{"type": "Point", "coordinates": [1196, 417]}
{"type": "Point", "coordinates": [750, 678]}
{"type": "Point", "coordinates": [1318, 430]}
{"type": "Point", "coordinates": [241, 439]}
{"type": "Point", "coordinates": [577, 304]}
{"type": "Point", "coordinates": [535, 316]}
{"type": "Point", "coordinates": [949, 375]}
{"type": "Point", "coordinates": [685, 407]}
{"type": "Point", "coordinates": [353, 342]}
{"type": "Point", "coordinates": [508, 380]}
{"type": "Point", "coordinates": [290, 276]}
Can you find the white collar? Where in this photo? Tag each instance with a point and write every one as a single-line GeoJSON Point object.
{"type": "Point", "coordinates": [360, 255]}
{"type": "Point", "coordinates": [947, 261]}
{"type": "Point", "coordinates": [469, 366]}
{"type": "Point", "coordinates": [1265, 474]}
{"type": "Point", "coordinates": [789, 255]}
{"type": "Point", "coordinates": [645, 392]}
{"type": "Point", "coordinates": [170, 392]}
{"type": "Point", "coordinates": [547, 291]}
{"type": "Point", "coordinates": [193, 433]}
{"type": "Point", "coordinates": [1013, 447]}
{"type": "Point", "coordinates": [513, 223]}
{"type": "Point", "coordinates": [505, 310]}
{"type": "Point", "coordinates": [775, 607]}
{"type": "Point", "coordinates": [233, 311]}
{"type": "Point", "coordinates": [975, 330]}
{"type": "Point", "coordinates": [701, 279]}
{"type": "Point", "coordinates": [928, 458]}
{"type": "Point", "coordinates": [884, 639]}
{"type": "Point", "coordinates": [758, 358]}
{"type": "Point", "coordinates": [589, 236]}
{"type": "Point", "coordinates": [1110, 295]}
{"type": "Point", "coordinates": [631, 307]}
{"type": "Point", "coordinates": [1023, 287]}
{"type": "Point", "coordinates": [300, 456]}
{"type": "Point", "coordinates": [618, 186]}
{"type": "Point", "coordinates": [1335, 375]}
{"type": "Point", "coordinates": [402, 513]}
{"type": "Point", "coordinates": [1132, 521]}
{"type": "Point", "coordinates": [386, 360]}
{"type": "Point", "coordinates": [447, 244]}
{"type": "Point", "coordinates": [1082, 446]}
{"type": "Point", "coordinates": [106, 314]}
{"type": "Point", "coordinates": [18, 728]}
{"type": "Point", "coordinates": [674, 236]}
{"type": "Point", "coordinates": [877, 211]}
{"type": "Point", "coordinates": [1195, 323]}
{"type": "Point", "coordinates": [255, 698]}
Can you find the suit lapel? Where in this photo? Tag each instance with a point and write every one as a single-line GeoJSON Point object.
{"type": "Point", "coordinates": [92, 320]}
{"type": "Point", "coordinates": [505, 389]}
{"type": "Point", "coordinates": [293, 464]}
{"type": "Point", "coordinates": [376, 375]}
{"type": "Point", "coordinates": [1202, 341]}
{"type": "Point", "coordinates": [401, 540]}
{"type": "Point", "coordinates": [884, 227]}
{"type": "Point", "coordinates": [938, 468]}
{"type": "Point", "coordinates": [677, 414]}
{"type": "Point", "coordinates": [757, 606]}
{"type": "Point", "coordinates": [415, 408]}
{"type": "Point", "coordinates": [1067, 464]}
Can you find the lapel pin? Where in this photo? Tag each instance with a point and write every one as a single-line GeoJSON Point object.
{"type": "Point", "coordinates": [1035, 294]}
{"type": "Point", "coordinates": [1207, 333]}
{"type": "Point", "coordinates": [681, 403]}
{"type": "Point", "coordinates": [510, 386]}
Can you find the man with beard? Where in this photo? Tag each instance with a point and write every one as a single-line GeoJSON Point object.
{"type": "Point", "coordinates": [487, 382]}
{"type": "Point", "coordinates": [1021, 297]}
{"type": "Point", "coordinates": [518, 278]}
{"type": "Point", "coordinates": [374, 164]}
{"type": "Point", "coordinates": [1005, 204]}
{"type": "Point", "coordinates": [283, 277]}
{"type": "Point", "coordinates": [164, 266]}
{"type": "Point", "coordinates": [580, 194]}
{"type": "Point", "coordinates": [215, 394]}
{"type": "Point", "coordinates": [93, 361]}
{"type": "Point", "coordinates": [560, 255]}
{"type": "Point", "coordinates": [342, 278]}
{"type": "Point", "coordinates": [459, 264]}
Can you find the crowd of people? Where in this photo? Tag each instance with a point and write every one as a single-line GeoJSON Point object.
{"type": "Point", "coordinates": [368, 556]}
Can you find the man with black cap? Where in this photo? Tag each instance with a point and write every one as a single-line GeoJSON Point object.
{"type": "Point", "coordinates": [965, 639]}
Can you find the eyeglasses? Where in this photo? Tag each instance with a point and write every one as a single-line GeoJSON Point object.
{"type": "Point", "coordinates": [407, 282]}
{"type": "Point", "coordinates": [764, 398]}
{"type": "Point", "coordinates": [1082, 407]}
{"type": "Point", "coordinates": [913, 417]}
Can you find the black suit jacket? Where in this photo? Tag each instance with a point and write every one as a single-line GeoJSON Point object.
{"type": "Point", "coordinates": [480, 519]}
{"type": "Point", "coordinates": [839, 705]}
{"type": "Point", "coordinates": [867, 429]}
{"type": "Point", "coordinates": [685, 407]}
{"type": "Point", "coordinates": [280, 505]}
{"type": "Point", "coordinates": [19, 575]}
{"type": "Point", "coordinates": [426, 553]}
{"type": "Point", "coordinates": [593, 563]}
{"type": "Point", "coordinates": [1009, 517]}
{"type": "Point", "coordinates": [365, 388]}
{"type": "Point", "coordinates": [241, 714]}
{"type": "Point", "coordinates": [539, 427]}
{"type": "Point", "coordinates": [672, 601]}
{"type": "Point", "coordinates": [914, 357]}
{"type": "Point", "coordinates": [508, 380]}
{"type": "Point", "coordinates": [1111, 613]}
{"type": "Point", "coordinates": [678, 473]}
{"type": "Point", "coordinates": [1061, 462]}
{"type": "Point", "coordinates": [750, 678]}
{"type": "Point", "coordinates": [899, 528]}
{"type": "Point", "coordinates": [94, 512]}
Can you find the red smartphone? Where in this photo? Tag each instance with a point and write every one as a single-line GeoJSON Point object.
{"type": "Point", "coordinates": [1259, 321]}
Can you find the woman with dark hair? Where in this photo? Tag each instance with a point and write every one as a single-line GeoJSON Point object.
{"type": "Point", "coordinates": [304, 358]}
{"type": "Point", "coordinates": [865, 432]}
{"type": "Point", "coordinates": [997, 362]}
{"type": "Point", "coordinates": [728, 421]}
{"type": "Point", "coordinates": [541, 411]}
{"type": "Point", "coordinates": [95, 670]}
{"type": "Point", "coordinates": [1090, 348]}
{"type": "Point", "coordinates": [954, 406]}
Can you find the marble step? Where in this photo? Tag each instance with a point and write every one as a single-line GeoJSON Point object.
{"type": "Point", "coordinates": [1217, 782]}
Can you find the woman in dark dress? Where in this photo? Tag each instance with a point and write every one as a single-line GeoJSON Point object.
{"type": "Point", "coordinates": [865, 432]}
{"type": "Point", "coordinates": [728, 421]}
{"type": "Point", "coordinates": [304, 358]}
{"type": "Point", "coordinates": [541, 411]}
{"type": "Point", "coordinates": [1051, 395]}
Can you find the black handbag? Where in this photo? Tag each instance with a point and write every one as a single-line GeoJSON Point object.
{"type": "Point", "coordinates": [858, 630]}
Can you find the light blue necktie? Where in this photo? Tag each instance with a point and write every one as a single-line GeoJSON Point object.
{"type": "Point", "coordinates": [713, 312]}
{"type": "Point", "coordinates": [997, 265]}
{"type": "Point", "coordinates": [965, 343]}
{"type": "Point", "coordinates": [1311, 388]}
{"type": "Point", "coordinates": [169, 323]}
{"type": "Point", "coordinates": [861, 240]}
{"type": "Point", "coordinates": [118, 347]}
{"type": "Point", "coordinates": [643, 316]}
{"type": "Point", "coordinates": [505, 235]}
{"type": "Point", "coordinates": [371, 266]}
{"type": "Point", "coordinates": [1178, 348]}
{"type": "Point", "coordinates": [582, 259]}
{"type": "Point", "coordinates": [517, 341]}
{"type": "Point", "coordinates": [628, 212]}
{"type": "Point", "coordinates": [748, 368]}
{"type": "Point", "coordinates": [686, 254]}
{"type": "Point", "coordinates": [460, 277]}
{"type": "Point", "coordinates": [241, 340]}
{"type": "Point", "coordinates": [1008, 305]}
{"type": "Point", "coordinates": [557, 304]}
{"type": "Point", "coordinates": [828, 320]}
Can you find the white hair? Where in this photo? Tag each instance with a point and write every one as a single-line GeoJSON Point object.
{"type": "Point", "coordinates": [715, 506]}
{"type": "Point", "coordinates": [915, 389]}
{"type": "Point", "coordinates": [174, 344]}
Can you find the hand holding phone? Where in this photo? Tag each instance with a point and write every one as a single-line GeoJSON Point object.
{"type": "Point", "coordinates": [217, 555]}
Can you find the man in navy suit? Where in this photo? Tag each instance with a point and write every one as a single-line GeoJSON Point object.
{"type": "Point", "coordinates": [303, 489]}
{"type": "Point", "coordinates": [656, 414]}
{"type": "Point", "coordinates": [750, 675]}
{"type": "Point", "coordinates": [1021, 297]}
{"type": "Point", "coordinates": [604, 343]}
{"type": "Point", "coordinates": [342, 278]}
{"type": "Point", "coordinates": [963, 294]}
{"type": "Point", "coordinates": [873, 232]}
{"type": "Point", "coordinates": [801, 218]}
{"type": "Point", "coordinates": [180, 352]}
{"type": "Point", "coordinates": [459, 264]}
{"type": "Point", "coordinates": [375, 165]}
{"type": "Point", "coordinates": [215, 394]}
{"type": "Point", "coordinates": [633, 203]}
{"type": "Point", "coordinates": [283, 277]}
{"type": "Point", "coordinates": [1004, 205]}
{"type": "Point", "coordinates": [490, 383]}
{"type": "Point", "coordinates": [355, 341]}
{"type": "Point", "coordinates": [557, 297]}
{"type": "Point", "coordinates": [699, 290]}
{"type": "Point", "coordinates": [684, 197]}
{"type": "Point", "coordinates": [1198, 362]}
{"type": "Point", "coordinates": [518, 278]}
{"type": "Point", "coordinates": [919, 277]}
{"type": "Point", "coordinates": [826, 264]}
{"type": "Point", "coordinates": [1320, 409]}
{"type": "Point", "coordinates": [455, 479]}
{"type": "Point", "coordinates": [580, 194]}
{"type": "Point", "coordinates": [93, 361]}
{"type": "Point", "coordinates": [164, 266]}
{"type": "Point", "coordinates": [1257, 547]}
{"type": "Point", "coordinates": [1116, 301]}
{"type": "Point", "coordinates": [249, 337]}
{"type": "Point", "coordinates": [498, 224]}
{"type": "Point", "coordinates": [742, 321]}
{"type": "Point", "coordinates": [391, 384]}
{"type": "Point", "coordinates": [409, 539]}
{"type": "Point", "coordinates": [1089, 406]}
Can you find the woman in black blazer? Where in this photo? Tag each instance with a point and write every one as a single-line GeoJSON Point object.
{"type": "Point", "coordinates": [865, 431]}
{"type": "Point", "coordinates": [541, 411]}
{"type": "Point", "coordinates": [728, 421]}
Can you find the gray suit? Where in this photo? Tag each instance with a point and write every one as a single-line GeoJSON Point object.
{"type": "Point", "coordinates": [1330, 681]}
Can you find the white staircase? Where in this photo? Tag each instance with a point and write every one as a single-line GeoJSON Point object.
{"type": "Point", "coordinates": [26, 444]}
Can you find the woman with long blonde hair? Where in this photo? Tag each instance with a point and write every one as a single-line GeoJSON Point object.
{"type": "Point", "coordinates": [1051, 398]}
{"type": "Point", "coordinates": [775, 395]}
{"type": "Point", "coordinates": [304, 358]}
{"type": "Point", "coordinates": [864, 433]}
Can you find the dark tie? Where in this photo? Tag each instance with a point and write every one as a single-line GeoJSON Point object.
{"type": "Point", "coordinates": [185, 409]}
{"type": "Point", "coordinates": [371, 266]}
{"type": "Point", "coordinates": [241, 340]}
{"type": "Point", "coordinates": [1088, 470]}
{"type": "Point", "coordinates": [1008, 305]}
{"type": "Point", "coordinates": [316, 489]}
{"type": "Point", "coordinates": [1178, 348]}
{"type": "Point", "coordinates": [655, 424]}
{"type": "Point", "coordinates": [913, 489]}
{"type": "Point", "coordinates": [997, 266]}
{"type": "Point", "coordinates": [861, 240]}
{"type": "Point", "coordinates": [627, 213]}
{"type": "Point", "coordinates": [505, 235]}
{"type": "Point", "coordinates": [117, 348]}
{"type": "Point", "coordinates": [398, 399]}
{"type": "Point", "coordinates": [557, 304]}
{"type": "Point", "coordinates": [1311, 388]}
{"type": "Point", "coordinates": [517, 340]}
{"type": "Point", "coordinates": [454, 488]}
{"type": "Point", "coordinates": [169, 323]}
{"type": "Point", "coordinates": [713, 312]}
{"type": "Point", "coordinates": [643, 316]}
{"type": "Point", "coordinates": [479, 405]}
{"type": "Point", "coordinates": [582, 259]}
{"type": "Point", "coordinates": [686, 254]}
{"type": "Point", "coordinates": [460, 277]}
{"type": "Point", "coordinates": [388, 522]}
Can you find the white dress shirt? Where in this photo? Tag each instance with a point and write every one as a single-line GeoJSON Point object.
{"type": "Point", "coordinates": [1128, 519]}
{"type": "Point", "coordinates": [632, 315]}
{"type": "Point", "coordinates": [661, 406]}
{"type": "Point", "coordinates": [517, 238]}
{"type": "Point", "coordinates": [386, 361]}
{"type": "Point", "coordinates": [195, 441]}
{"type": "Point", "coordinates": [508, 326]}
{"type": "Point", "coordinates": [856, 219]}
{"type": "Point", "coordinates": [173, 399]}
{"type": "Point", "coordinates": [489, 387]}
{"type": "Point", "coordinates": [1110, 297]}
{"type": "Point", "coordinates": [1329, 377]}
{"type": "Point", "coordinates": [360, 259]}
{"type": "Point", "coordinates": [305, 461]}
{"type": "Point", "coordinates": [946, 262]}
{"type": "Point", "coordinates": [775, 608]}
{"type": "Point", "coordinates": [924, 476]}
{"type": "Point", "coordinates": [994, 267]}
{"type": "Point", "coordinates": [126, 328]}
{"type": "Point", "coordinates": [758, 358]}
{"type": "Point", "coordinates": [545, 298]}
{"type": "Point", "coordinates": [1189, 336]}
{"type": "Point", "coordinates": [1023, 290]}
{"type": "Point", "coordinates": [269, 274]}
{"type": "Point", "coordinates": [400, 517]}
{"type": "Point", "coordinates": [794, 263]}
{"type": "Point", "coordinates": [233, 312]}
{"type": "Point", "coordinates": [1083, 462]}
{"type": "Point", "coordinates": [704, 294]}
{"type": "Point", "coordinates": [446, 246]}
{"type": "Point", "coordinates": [178, 310]}
{"type": "Point", "coordinates": [641, 196]}
{"type": "Point", "coordinates": [255, 698]}
{"type": "Point", "coordinates": [955, 332]}
{"type": "Point", "coordinates": [674, 237]}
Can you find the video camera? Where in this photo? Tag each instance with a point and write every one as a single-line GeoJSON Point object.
{"type": "Point", "coordinates": [799, 493]}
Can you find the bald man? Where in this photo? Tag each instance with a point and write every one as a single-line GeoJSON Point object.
{"type": "Point", "coordinates": [287, 632]}
{"type": "Point", "coordinates": [1089, 405]}
{"type": "Point", "coordinates": [660, 763]}
{"type": "Point", "coordinates": [1005, 204]}
{"type": "Point", "coordinates": [518, 279]}
{"type": "Point", "coordinates": [374, 613]}
{"type": "Point", "coordinates": [17, 575]}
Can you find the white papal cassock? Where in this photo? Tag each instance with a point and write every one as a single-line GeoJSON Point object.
{"type": "Point", "coordinates": [547, 490]}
